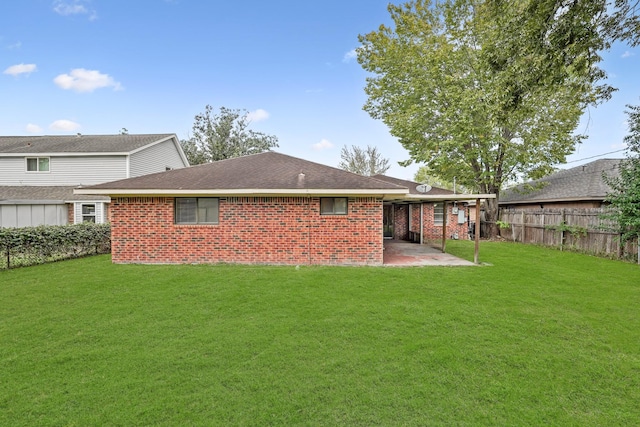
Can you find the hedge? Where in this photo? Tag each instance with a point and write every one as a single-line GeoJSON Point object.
{"type": "Point", "coordinates": [20, 247]}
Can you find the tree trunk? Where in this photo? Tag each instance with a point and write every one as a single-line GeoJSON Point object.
{"type": "Point", "coordinates": [491, 216]}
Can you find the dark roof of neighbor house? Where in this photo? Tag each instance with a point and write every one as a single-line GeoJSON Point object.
{"type": "Point", "coordinates": [256, 173]}
{"type": "Point", "coordinates": [578, 183]}
{"type": "Point", "coordinates": [77, 143]}
{"type": "Point", "coordinates": [411, 185]}
{"type": "Point", "coordinates": [50, 194]}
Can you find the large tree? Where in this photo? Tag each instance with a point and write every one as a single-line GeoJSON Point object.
{"type": "Point", "coordinates": [223, 135]}
{"type": "Point", "coordinates": [624, 197]}
{"type": "Point", "coordinates": [487, 90]}
{"type": "Point", "coordinates": [364, 161]}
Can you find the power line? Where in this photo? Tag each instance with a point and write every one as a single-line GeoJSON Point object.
{"type": "Point", "coordinates": [593, 157]}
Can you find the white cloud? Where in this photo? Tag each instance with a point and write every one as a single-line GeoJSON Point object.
{"type": "Point", "coordinates": [74, 7]}
{"type": "Point", "coordinates": [64, 125]}
{"type": "Point", "coordinates": [18, 69]}
{"type": "Point", "coordinates": [31, 128]}
{"type": "Point", "coordinates": [16, 45]}
{"type": "Point", "coordinates": [257, 115]}
{"type": "Point", "coordinates": [324, 144]}
{"type": "Point", "coordinates": [627, 54]}
{"type": "Point", "coordinates": [352, 54]}
{"type": "Point", "coordinates": [81, 80]}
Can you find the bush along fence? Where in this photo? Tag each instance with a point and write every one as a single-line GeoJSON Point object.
{"type": "Point", "coordinates": [581, 230]}
{"type": "Point", "coordinates": [21, 247]}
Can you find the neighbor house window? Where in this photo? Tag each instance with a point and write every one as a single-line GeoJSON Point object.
{"type": "Point", "coordinates": [89, 213]}
{"type": "Point", "coordinates": [37, 164]}
{"type": "Point", "coordinates": [196, 210]}
{"type": "Point", "coordinates": [333, 206]}
{"type": "Point", "coordinates": [438, 213]}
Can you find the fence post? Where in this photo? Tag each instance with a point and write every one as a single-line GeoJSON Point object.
{"type": "Point", "coordinates": [563, 219]}
{"type": "Point", "coordinates": [524, 228]}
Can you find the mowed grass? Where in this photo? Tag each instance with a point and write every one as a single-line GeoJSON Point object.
{"type": "Point", "coordinates": [539, 337]}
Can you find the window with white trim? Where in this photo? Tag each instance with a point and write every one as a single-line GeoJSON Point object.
{"type": "Point", "coordinates": [88, 212]}
{"type": "Point", "coordinates": [333, 206]}
{"type": "Point", "coordinates": [37, 164]}
{"type": "Point", "coordinates": [196, 210]}
{"type": "Point", "coordinates": [438, 213]}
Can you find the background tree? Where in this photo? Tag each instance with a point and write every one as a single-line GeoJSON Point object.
{"type": "Point", "coordinates": [624, 197]}
{"type": "Point", "coordinates": [224, 135]}
{"type": "Point", "coordinates": [489, 90]}
{"type": "Point", "coordinates": [364, 161]}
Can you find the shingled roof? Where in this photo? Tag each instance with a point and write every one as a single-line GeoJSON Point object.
{"type": "Point", "coordinates": [78, 143]}
{"type": "Point", "coordinates": [264, 173]}
{"type": "Point", "coordinates": [26, 194]}
{"type": "Point", "coordinates": [579, 183]}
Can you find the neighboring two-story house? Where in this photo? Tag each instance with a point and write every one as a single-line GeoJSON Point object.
{"type": "Point", "coordinates": [39, 173]}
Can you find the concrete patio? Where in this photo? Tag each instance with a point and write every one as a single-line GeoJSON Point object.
{"type": "Point", "coordinates": [400, 253]}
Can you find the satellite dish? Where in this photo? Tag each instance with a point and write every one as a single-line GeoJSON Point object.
{"type": "Point", "coordinates": [423, 188]}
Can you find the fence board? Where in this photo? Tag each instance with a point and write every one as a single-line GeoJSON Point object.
{"type": "Point", "coordinates": [576, 229]}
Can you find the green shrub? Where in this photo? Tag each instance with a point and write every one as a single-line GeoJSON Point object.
{"type": "Point", "coordinates": [25, 246]}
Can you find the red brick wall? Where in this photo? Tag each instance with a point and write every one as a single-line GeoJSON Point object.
{"type": "Point", "coordinates": [278, 230]}
{"type": "Point", "coordinates": [401, 222]}
{"type": "Point", "coordinates": [434, 232]}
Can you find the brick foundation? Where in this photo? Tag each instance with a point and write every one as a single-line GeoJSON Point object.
{"type": "Point", "coordinates": [251, 230]}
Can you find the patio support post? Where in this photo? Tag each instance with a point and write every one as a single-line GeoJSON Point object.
{"type": "Point", "coordinates": [477, 233]}
{"type": "Point", "coordinates": [444, 226]}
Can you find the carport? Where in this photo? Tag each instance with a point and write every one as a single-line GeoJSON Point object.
{"type": "Point", "coordinates": [395, 250]}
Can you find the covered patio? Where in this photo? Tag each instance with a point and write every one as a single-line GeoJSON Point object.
{"type": "Point", "coordinates": [400, 253]}
{"type": "Point", "coordinates": [427, 251]}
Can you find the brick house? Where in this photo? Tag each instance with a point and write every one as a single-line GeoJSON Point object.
{"type": "Point", "coordinates": [416, 218]}
{"type": "Point", "coordinates": [266, 208]}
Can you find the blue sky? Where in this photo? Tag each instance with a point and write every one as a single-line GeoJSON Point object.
{"type": "Point", "coordinates": [96, 66]}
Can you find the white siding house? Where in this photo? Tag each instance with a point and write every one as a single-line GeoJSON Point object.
{"type": "Point", "coordinates": [38, 173]}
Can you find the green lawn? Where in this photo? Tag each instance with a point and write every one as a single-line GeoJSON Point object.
{"type": "Point", "coordinates": [539, 337]}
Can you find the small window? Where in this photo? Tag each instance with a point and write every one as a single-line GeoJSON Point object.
{"type": "Point", "coordinates": [89, 213]}
{"type": "Point", "coordinates": [333, 206]}
{"type": "Point", "coordinates": [196, 210]}
{"type": "Point", "coordinates": [438, 213]}
{"type": "Point", "coordinates": [37, 164]}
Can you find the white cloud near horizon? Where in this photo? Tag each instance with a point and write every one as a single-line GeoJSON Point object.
{"type": "Point", "coordinates": [352, 54]}
{"type": "Point", "coordinates": [31, 128]}
{"type": "Point", "coordinates": [257, 115]}
{"type": "Point", "coordinates": [74, 7]}
{"type": "Point", "coordinates": [81, 80]}
{"type": "Point", "coordinates": [627, 54]}
{"type": "Point", "coordinates": [16, 70]}
{"type": "Point", "coordinates": [64, 125]}
{"type": "Point", "coordinates": [324, 144]}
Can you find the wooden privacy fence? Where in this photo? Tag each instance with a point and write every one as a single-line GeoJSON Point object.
{"type": "Point", "coordinates": [577, 229]}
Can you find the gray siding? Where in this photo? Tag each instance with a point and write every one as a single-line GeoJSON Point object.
{"type": "Point", "coordinates": [156, 158]}
{"type": "Point", "coordinates": [64, 170]}
{"type": "Point", "coordinates": [32, 215]}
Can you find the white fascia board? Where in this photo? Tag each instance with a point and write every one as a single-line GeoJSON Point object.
{"type": "Point", "coordinates": [88, 200]}
{"type": "Point", "coordinates": [259, 192]}
{"type": "Point", "coordinates": [447, 197]}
